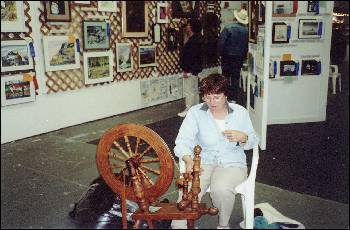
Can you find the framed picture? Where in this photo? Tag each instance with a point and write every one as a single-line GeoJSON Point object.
{"type": "Point", "coordinates": [310, 28]}
{"type": "Point", "coordinates": [253, 20]}
{"type": "Point", "coordinates": [310, 67]}
{"type": "Point", "coordinates": [185, 9]}
{"type": "Point", "coordinates": [312, 6]}
{"type": "Point", "coordinates": [261, 14]}
{"type": "Point", "coordinates": [124, 57]}
{"type": "Point", "coordinates": [156, 33]}
{"type": "Point", "coordinates": [95, 35]}
{"type": "Point", "coordinates": [162, 12]}
{"type": "Point", "coordinates": [98, 67]}
{"type": "Point", "coordinates": [147, 55]}
{"type": "Point", "coordinates": [60, 53]}
{"type": "Point", "coordinates": [108, 6]}
{"type": "Point", "coordinates": [16, 89]}
{"type": "Point", "coordinates": [15, 55]}
{"type": "Point", "coordinates": [134, 19]}
{"type": "Point", "coordinates": [57, 11]}
{"type": "Point", "coordinates": [288, 68]}
{"type": "Point", "coordinates": [280, 32]}
{"type": "Point", "coordinates": [82, 3]}
{"type": "Point", "coordinates": [172, 39]}
{"type": "Point", "coordinates": [284, 8]}
{"type": "Point", "coordinates": [12, 16]}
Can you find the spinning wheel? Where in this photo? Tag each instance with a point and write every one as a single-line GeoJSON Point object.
{"type": "Point", "coordinates": [148, 152]}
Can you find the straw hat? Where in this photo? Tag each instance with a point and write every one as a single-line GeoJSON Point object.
{"type": "Point", "coordinates": [241, 16]}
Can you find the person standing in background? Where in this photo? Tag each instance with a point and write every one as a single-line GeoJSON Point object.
{"type": "Point", "coordinates": [191, 62]}
{"type": "Point", "coordinates": [233, 48]}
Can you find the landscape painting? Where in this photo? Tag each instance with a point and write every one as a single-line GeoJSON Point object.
{"type": "Point", "coordinates": [15, 90]}
{"type": "Point", "coordinates": [98, 67]}
{"type": "Point", "coordinates": [15, 55]}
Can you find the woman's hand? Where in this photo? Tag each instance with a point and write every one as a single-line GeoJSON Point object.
{"type": "Point", "coordinates": [235, 136]}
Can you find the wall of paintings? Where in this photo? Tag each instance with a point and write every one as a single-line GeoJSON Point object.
{"type": "Point", "coordinates": [56, 54]}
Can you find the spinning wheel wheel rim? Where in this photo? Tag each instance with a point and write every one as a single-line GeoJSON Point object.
{"type": "Point", "coordinates": [149, 137]}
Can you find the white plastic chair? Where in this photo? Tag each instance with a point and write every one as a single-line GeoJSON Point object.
{"type": "Point", "coordinates": [246, 189]}
{"type": "Point", "coordinates": [334, 74]}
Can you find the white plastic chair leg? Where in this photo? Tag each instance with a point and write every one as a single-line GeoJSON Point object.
{"type": "Point", "coordinates": [339, 82]}
{"type": "Point", "coordinates": [334, 82]}
{"type": "Point", "coordinates": [244, 78]}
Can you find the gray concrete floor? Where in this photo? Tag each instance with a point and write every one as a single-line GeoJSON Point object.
{"type": "Point", "coordinates": [42, 177]}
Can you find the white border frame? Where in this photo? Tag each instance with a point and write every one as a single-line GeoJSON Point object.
{"type": "Point", "coordinates": [16, 77]}
{"type": "Point", "coordinates": [46, 45]}
{"type": "Point", "coordinates": [301, 25]}
{"type": "Point", "coordinates": [117, 45]}
{"type": "Point", "coordinates": [159, 5]}
{"type": "Point", "coordinates": [98, 54]}
{"type": "Point", "coordinates": [18, 25]}
{"type": "Point", "coordinates": [138, 34]}
{"type": "Point", "coordinates": [102, 9]}
{"type": "Point", "coordinates": [155, 55]}
{"type": "Point", "coordinates": [17, 43]}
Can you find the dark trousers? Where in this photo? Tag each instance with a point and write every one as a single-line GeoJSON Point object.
{"type": "Point", "coordinates": [231, 67]}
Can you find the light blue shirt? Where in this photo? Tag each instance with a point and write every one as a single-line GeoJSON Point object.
{"type": "Point", "coordinates": [199, 127]}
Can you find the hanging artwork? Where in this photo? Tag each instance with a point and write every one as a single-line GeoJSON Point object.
{"type": "Point", "coordinates": [60, 53]}
{"type": "Point", "coordinates": [57, 11]}
{"type": "Point", "coordinates": [98, 67]}
{"type": "Point", "coordinates": [134, 19]}
{"type": "Point", "coordinates": [147, 55]}
{"type": "Point", "coordinates": [12, 16]}
{"type": "Point", "coordinates": [17, 89]}
{"type": "Point", "coordinates": [310, 28]}
{"type": "Point", "coordinates": [107, 6]}
{"type": "Point", "coordinates": [310, 67]}
{"type": "Point", "coordinates": [288, 68]}
{"type": "Point", "coordinates": [124, 57]}
{"type": "Point", "coordinates": [162, 12]}
{"type": "Point", "coordinates": [253, 20]}
{"type": "Point", "coordinates": [15, 55]}
{"type": "Point", "coordinates": [185, 9]}
{"type": "Point", "coordinates": [313, 6]}
{"type": "Point", "coordinates": [172, 39]}
{"type": "Point", "coordinates": [95, 35]}
{"type": "Point", "coordinates": [284, 8]}
{"type": "Point", "coordinates": [280, 32]}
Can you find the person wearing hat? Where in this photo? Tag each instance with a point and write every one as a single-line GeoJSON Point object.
{"type": "Point", "coordinates": [233, 48]}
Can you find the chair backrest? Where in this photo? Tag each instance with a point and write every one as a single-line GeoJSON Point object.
{"type": "Point", "coordinates": [333, 69]}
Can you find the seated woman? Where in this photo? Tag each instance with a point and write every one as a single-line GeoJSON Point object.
{"type": "Point", "coordinates": [223, 130]}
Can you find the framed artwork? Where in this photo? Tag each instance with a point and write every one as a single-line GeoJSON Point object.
{"type": "Point", "coordinates": [57, 11]}
{"type": "Point", "coordinates": [312, 6]}
{"type": "Point", "coordinates": [162, 13]}
{"type": "Point", "coordinates": [60, 53]}
{"type": "Point", "coordinates": [288, 68]}
{"type": "Point", "coordinates": [284, 8]}
{"type": "Point", "coordinates": [156, 33]}
{"type": "Point", "coordinates": [172, 39]}
{"type": "Point", "coordinates": [147, 55]}
{"type": "Point", "coordinates": [95, 35]}
{"type": "Point", "coordinates": [310, 28]}
{"type": "Point", "coordinates": [124, 57]}
{"type": "Point", "coordinates": [280, 32]}
{"type": "Point", "coordinates": [310, 67]}
{"type": "Point", "coordinates": [134, 19]}
{"type": "Point", "coordinates": [185, 9]}
{"type": "Point", "coordinates": [261, 12]}
{"type": "Point", "coordinates": [82, 3]}
{"type": "Point", "coordinates": [108, 6]}
{"type": "Point", "coordinates": [15, 55]}
{"type": "Point", "coordinates": [12, 16]}
{"type": "Point", "coordinates": [16, 89]}
{"type": "Point", "coordinates": [98, 67]}
{"type": "Point", "coordinates": [253, 20]}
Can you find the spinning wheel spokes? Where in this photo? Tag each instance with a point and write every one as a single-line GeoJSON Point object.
{"type": "Point", "coordinates": [155, 166]}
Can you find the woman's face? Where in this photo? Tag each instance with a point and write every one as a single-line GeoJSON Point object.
{"type": "Point", "coordinates": [215, 102]}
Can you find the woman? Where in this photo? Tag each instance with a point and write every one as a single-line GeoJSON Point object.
{"type": "Point", "coordinates": [223, 130]}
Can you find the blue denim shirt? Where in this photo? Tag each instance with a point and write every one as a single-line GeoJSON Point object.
{"type": "Point", "coordinates": [199, 127]}
{"type": "Point", "coordinates": [233, 40]}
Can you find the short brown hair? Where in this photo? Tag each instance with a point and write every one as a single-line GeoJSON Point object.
{"type": "Point", "coordinates": [214, 84]}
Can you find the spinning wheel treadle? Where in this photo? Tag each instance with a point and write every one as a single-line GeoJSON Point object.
{"type": "Point", "coordinates": [131, 142]}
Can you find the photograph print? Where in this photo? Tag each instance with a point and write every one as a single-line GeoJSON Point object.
{"type": "Point", "coordinates": [57, 11]}
{"type": "Point", "coordinates": [15, 90]}
{"type": "Point", "coordinates": [284, 8]}
{"type": "Point", "coordinates": [162, 12]}
{"type": "Point", "coordinates": [98, 67]}
{"type": "Point", "coordinates": [288, 68]}
{"type": "Point", "coordinates": [312, 6]}
{"type": "Point", "coordinates": [310, 28]}
{"type": "Point", "coordinates": [12, 16]}
{"type": "Point", "coordinates": [310, 67]}
{"type": "Point", "coordinates": [280, 32]}
{"type": "Point", "coordinates": [60, 53]}
{"type": "Point", "coordinates": [15, 55]}
{"type": "Point", "coordinates": [134, 19]}
{"type": "Point", "coordinates": [95, 35]}
{"type": "Point", "coordinates": [124, 57]}
{"type": "Point", "coordinates": [147, 55]}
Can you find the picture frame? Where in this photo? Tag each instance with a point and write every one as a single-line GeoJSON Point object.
{"type": "Point", "coordinates": [16, 89]}
{"type": "Point", "coordinates": [124, 57]}
{"type": "Point", "coordinates": [57, 11]}
{"type": "Point", "coordinates": [98, 67]}
{"type": "Point", "coordinates": [134, 19]}
{"type": "Point", "coordinates": [12, 16]}
{"type": "Point", "coordinates": [310, 67]}
{"type": "Point", "coordinates": [107, 6]}
{"type": "Point", "coordinates": [185, 9]}
{"type": "Point", "coordinates": [95, 35]}
{"type": "Point", "coordinates": [147, 55]}
{"type": "Point", "coordinates": [310, 28]}
{"type": "Point", "coordinates": [162, 12]}
{"type": "Point", "coordinates": [82, 3]}
{"type": "Point", "coordinates": [284, 8]}
{"type": "Point", "coordinates": [288, 68]}
{"type": "Point", "coordinates": [172, 39]}
{"type": "Point", "coordinates": [60, 53]}
{"type": "Point", "coordinates": [279, 33]}
{"type": "Point", "coordinates": [261, 12]}
{"type": "Point", "coordinates": [157, 33]}
{"type": "Point", "coordinates": [16, 55]}
{"type": "Point", "coordinates": [312, 6]}
{"type": "Point", "coordinates": [253, 20]}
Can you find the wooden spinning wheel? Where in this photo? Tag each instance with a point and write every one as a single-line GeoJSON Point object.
{"type": "Point", "coordinates": [148, 152]}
